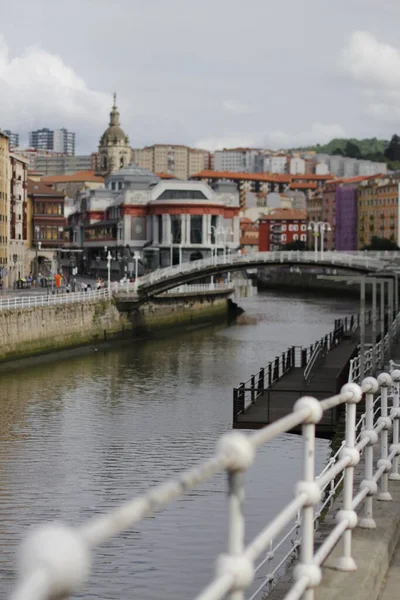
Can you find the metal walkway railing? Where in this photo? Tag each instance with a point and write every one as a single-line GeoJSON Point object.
{"type": "Point", "coordinates": [32, 301]}
{"type": "Point", "coordinates": [54, 560]}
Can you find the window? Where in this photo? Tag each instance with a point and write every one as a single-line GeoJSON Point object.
{"type": "Point", "coordinates": [303, 237]}
{"type": "Point", "coordinates": [182, 195]}
{"type": "Point", "coordinates": [295, 237]}
{"type": "Point", "coordinates": [290, 227]}
{"type": "Point", "coordinates": [283, 227]}
{"type": "Point", "coordinates": [196, 229]}
{"type": "Point", "coordinates": [113, 185]}
{"type": "Point", "coordinates": [138, 229]}
{"type": "Point", "coordinates": [176, 229]}
{"type": "Point", "coordinates": [283, 237]}
{"type": "Point", "coordinates": [295, 227]}
{"type": "Point", "coordinates": [303, 227]}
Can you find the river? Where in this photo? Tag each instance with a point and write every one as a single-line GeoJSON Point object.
{"type": "Point", "coordinates": [82, 435]}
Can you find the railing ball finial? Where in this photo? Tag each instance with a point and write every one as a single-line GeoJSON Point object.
{"type": "Point", "coordinates": [61, 553]}
{"type": "Point", "coordinates": [354, 392]}
{"type": "Point", "coordinates": [239, 567]}
{"type": "Point", "coordinates": [314, 407]}
{"type": "Point", "coordinates": [238, 447]}
{"type": "Point", "coordinates": [385, 380]}
{"type": "Point", "coordinates": [395, 375]}
{"type": "Point", "coordinates": [370, 385]}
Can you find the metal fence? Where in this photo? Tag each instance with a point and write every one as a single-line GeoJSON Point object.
{"type": "Point", "coordinates": [54, 560]}
{"type": "Point", "coordinates": [32, 301]}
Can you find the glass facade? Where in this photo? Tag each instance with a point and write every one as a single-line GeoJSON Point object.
{"type": "Point", "coordinates": [176, 229]}
{"type": "Point", "coordinates": [182, 195]}
{"type": "Point", "coordinates": [196, 229]}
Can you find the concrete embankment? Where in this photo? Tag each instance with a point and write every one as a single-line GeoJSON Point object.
{"type": "Point", "coordinates": [39, 330]}
{"type": "Point", "coordinates": [304, 281]}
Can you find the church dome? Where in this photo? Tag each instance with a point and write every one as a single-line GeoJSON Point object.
{"type": "Point", "coordinates": [114, 134]}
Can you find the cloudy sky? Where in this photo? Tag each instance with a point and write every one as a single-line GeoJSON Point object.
{"type": "Point", "coordinates": [207, 73]}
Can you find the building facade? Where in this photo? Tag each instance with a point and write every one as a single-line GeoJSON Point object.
{"type": "Point", "coordinates": [346, 218]}
{"type": "Point", "coordinates": [242, 160]}
{"type": "Point", "coordinates": [62, 165]}
{"type": "Point", "coordinates": [179, 161]}
{"type": "Point", "coordinates": [18, 262]}
{"type": "Point", "coordinates": [13, 139]}
{"type": "Point", "coordinates": [59, 140]}
{"type": "Point", "coordinates": [114, 149]}
{"type": "Point", "coordinates": [328, 213]}
{"type": "Point", "coordinates": [165, 221]}
{"type": "Point", "coordinates": [4, 208]}
{"type": "Point", "coordinates": [378, 210]}
{"type": "Point", "coordinates": [72, 185]}
{"type": "Point", "coordinates": [64, 142]}
{"type": "Point", "coordinates": [282, 227]}
{"type": "Point", "coordinates": [45, 227]}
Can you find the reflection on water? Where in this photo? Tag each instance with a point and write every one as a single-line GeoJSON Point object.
{"type": "Point", "coordinates": [82, 435]}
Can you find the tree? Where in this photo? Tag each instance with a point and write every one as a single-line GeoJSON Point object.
{"type": "Point", "coordinates": [296, 245]}
{"type": "Point", "coordinates": [392, 152]}
{"type": "Point", "coordinates": [378, 243]}
{"type": "Point", "coordinates": [338, 152]}
{"type": "Point", "coordinates": [352, 150]}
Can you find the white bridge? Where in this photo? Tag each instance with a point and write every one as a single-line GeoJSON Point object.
{"type": "Point", "coordinates": [55, 559]}
{"type": "Point", "coordinates": [162, 280]}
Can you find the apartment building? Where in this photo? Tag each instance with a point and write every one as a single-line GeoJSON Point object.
{"type": "Point", "coordinates": [18, 261]}
{"type": "Point", "coordinates": [180, 161]}
{"type": "Point", "coordinates": [281, 227]}
{"type": "Point", "coordinates": [240, 160]}
{"type": "Point", "coordinates": [4, 200]}
{"type": "Point", "coordinates": [59, 140]}
{"type": "Point", "coordinates": [60, 164]}
{"type": "Point", "coordinates": [378, 210]}
{"type": "Point", "coordinates": [13, 139]}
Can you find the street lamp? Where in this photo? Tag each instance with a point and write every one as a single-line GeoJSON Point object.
{"type": "Point", "coordinates": [136, 258]}
{"type": "Point", "coordinates": [319, 228]}
{"type": "Point", "coordinates": [224, 231]}
{"type": "Point", "coordinates": [214, 246]}
{"type": "Point", "coordinates": [109, 258]}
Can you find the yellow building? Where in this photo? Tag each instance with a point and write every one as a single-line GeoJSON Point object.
{"type": "Point", "coordinates": [4, 206]}
{"type": "Point", "coordinates": [180, 161]}
{"type": "Point", "coordinates": [378, 210]}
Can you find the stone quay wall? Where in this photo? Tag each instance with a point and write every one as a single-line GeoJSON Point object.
{"type": "Point", "coordinates": [45, 329]}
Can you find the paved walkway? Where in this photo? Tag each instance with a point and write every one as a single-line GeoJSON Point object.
{"type": "Point", "coordinates": [326, 380]}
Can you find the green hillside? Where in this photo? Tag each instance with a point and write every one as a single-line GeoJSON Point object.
{"type": "Point", "coordinates": [367, 146]}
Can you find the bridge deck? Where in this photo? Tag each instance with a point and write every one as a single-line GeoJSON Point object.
{"type": "Point", "coordinates": [278, 400]}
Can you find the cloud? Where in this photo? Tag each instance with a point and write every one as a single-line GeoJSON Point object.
{"type": "Point", "coordinates": [319, 133]}
{"type": "Point", "coordinates": [235, 108]}
{"type": "Point", "coordinates": [213, 144]}
{"type": "Point", "coordinates": [374, 67]}
{"type": "Point", "coordinates": [38, 89]}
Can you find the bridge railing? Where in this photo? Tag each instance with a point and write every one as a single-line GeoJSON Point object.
{"type": "Point", "coordinates": [54, 560]}
{"type": "Point", "coordinates": [32, 301]}
{"type": "Point", "coordinates": [329, 258]}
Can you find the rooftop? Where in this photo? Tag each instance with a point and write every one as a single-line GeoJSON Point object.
{"type": "Point", "coordinates": [285, 214]}
{"type": "Point", "coordinates": [41, 189]}
{"type": "Point", "coordinates": [79, 176]}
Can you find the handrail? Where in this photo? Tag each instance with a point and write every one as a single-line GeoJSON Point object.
{"type": "Point", "coordinates": [33, 301]}
{"type": "Point", "coordinates": [55, 559]}
{"type": "Point", "coordinates": [225, 263]}
{"type": "Point", "coordinates": [318, 350]}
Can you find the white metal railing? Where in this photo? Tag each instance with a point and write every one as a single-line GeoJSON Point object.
{"type": "Point", "coordinates": [200, 288]}
{"type": "Point", "coordinates": [333, 259]}
{"type": "Point", "coordinates": [314, 357]}
{"type": "Point", "coordinates": [32, 301]}
{"type": "Point", "coordinates": [381, 350]}
{"type": "Point", "coordinates": [54, 560]}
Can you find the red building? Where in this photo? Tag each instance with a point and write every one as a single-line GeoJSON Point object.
{"type": "Point", "coordinates": [280, 227]}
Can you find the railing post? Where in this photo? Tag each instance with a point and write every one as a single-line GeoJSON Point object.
{"type": "Point", "coordinates": [241, 393]}
{"type": "Point", "coordinates": [370, 387]}
{"type": "Point", "coordinates": [261, 378]}
{"type": "Point", "coordinates": [253, 388]}
{"type": "Point", "coordinates": [308, 486]}
{"type": "Point", "coordinates": [243, 454]}
{"type": "Point", "coordinates": [384, 381]}
{"type": "Point", "coordinates": [269, 374]}
{"type": "Point", "coordinates": [395, 414]}
{"type": "Point", "coordinates": [346, 561]}
{"type": "Point", "coordinates": [235, 404]}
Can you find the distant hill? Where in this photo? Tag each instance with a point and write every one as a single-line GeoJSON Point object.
{"type": "Point", "coordinates": [368, 146]}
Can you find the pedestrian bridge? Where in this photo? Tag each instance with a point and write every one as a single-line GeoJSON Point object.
{"type": "Point", "coordinates": [162, 280]}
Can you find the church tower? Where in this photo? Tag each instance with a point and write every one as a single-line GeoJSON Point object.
{"type": "Point", "coordinates": [114, 149]}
